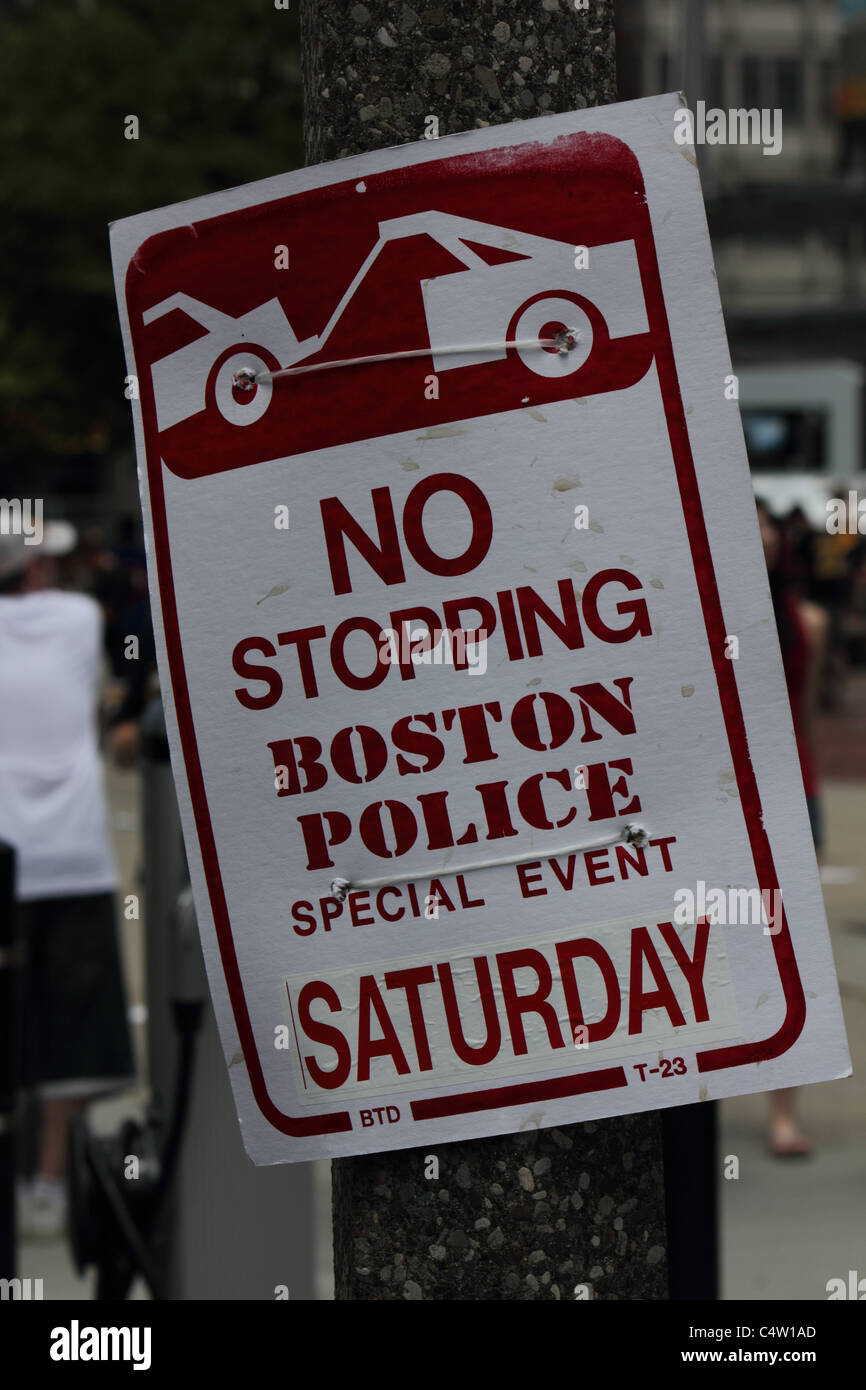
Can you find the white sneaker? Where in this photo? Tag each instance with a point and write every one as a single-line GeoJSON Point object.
{"type": "Point", "coordinates": [42, 1205]}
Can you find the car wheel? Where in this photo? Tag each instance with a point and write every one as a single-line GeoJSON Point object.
{"type": "Point", "coordinates": [545, 316]}
{"type": "Point", "coordinates": [241, 404]}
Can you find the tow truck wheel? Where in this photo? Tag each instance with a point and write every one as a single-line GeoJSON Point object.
{"type": "Point", "coordinates": [238, 399]}
{"type": "Point", "coordinates": [548, 316]}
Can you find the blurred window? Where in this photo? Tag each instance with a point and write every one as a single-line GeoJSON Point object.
{"type": "Point", "coordinates": [828, 83]}
{"type": "Point", "coordinates": [714, 77]}
{"type": "Point", "coordinates": [665, 71]}
{"type": "Point", "coordinates": [715, 81]}
{"type": "Point", "coordinates": [788, 88]}
{"type": "Point", "coordinates": [753, 85]}
{"type": "Point", "coordinates": [770, 83]}
{"type": "Point", "coordinates": [785, 441]}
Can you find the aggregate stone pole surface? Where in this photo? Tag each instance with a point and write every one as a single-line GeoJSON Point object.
{"type": "Point", "coordinates": [565, 1213]}
{"type": "Point", "coordinates": [576, 1212]}
{"type": "Point", "coordinates": [372, 73]}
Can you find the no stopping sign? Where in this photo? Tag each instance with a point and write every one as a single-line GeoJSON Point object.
{"type": "Point", "coordinates": [483, 750]}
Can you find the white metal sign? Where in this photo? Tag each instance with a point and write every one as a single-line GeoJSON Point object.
{"type": "Point", "coordinates": [481, 737]}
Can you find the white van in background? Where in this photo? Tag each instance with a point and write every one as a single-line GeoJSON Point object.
{"type": "Point", "coordinates": [803, 423]}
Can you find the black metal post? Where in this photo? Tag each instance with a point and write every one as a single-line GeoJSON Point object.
{"type": "Point", "coordinates": [8, 1057]}
{"type": "Point", "coordinates": [689, 1142]}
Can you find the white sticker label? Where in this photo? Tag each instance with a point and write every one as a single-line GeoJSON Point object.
{"type": "Point", "coordinates": [567, 1000]}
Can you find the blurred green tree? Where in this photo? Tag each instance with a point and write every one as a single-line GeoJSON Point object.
{"type": "Point", "coordinates": [215, 85]}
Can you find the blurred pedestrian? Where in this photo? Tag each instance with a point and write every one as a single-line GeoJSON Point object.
{"type": "Point", "coordinates": [75, 1039]}
{"type": "Point", "coordinates": [799, 536]}
{"type": "Point", "coordinates": [802, 629]}
{"type": "Point", "coordinates": [834, 554]}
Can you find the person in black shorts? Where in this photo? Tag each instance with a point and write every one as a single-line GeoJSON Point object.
{"type": "Point", "coordinates": [74, 1037]}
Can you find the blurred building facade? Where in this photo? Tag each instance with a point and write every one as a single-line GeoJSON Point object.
{"type": "Point", "coordinates": [788, 229]}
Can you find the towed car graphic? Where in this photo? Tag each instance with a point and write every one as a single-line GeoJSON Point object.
{"type": "Point", "coordinates": [543, 291]}
{"type": "Point", "coordinates": [180, 380]}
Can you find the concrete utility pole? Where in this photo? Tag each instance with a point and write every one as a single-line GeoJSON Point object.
{"type": "Point", "coordinates": [547, 1213]}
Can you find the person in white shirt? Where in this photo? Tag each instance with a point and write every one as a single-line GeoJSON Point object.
{"type": "Point", "coordinates": [75, 1040]}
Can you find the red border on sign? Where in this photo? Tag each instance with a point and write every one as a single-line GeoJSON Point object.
{"type": "Point", "coordinates": [557, 1087]}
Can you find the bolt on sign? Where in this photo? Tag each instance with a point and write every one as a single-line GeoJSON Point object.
{"type": "Point", "coordinates": [481, 737]}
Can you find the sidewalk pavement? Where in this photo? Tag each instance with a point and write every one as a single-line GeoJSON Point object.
{"type": "Point", "coordinates": [790, 1225]}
